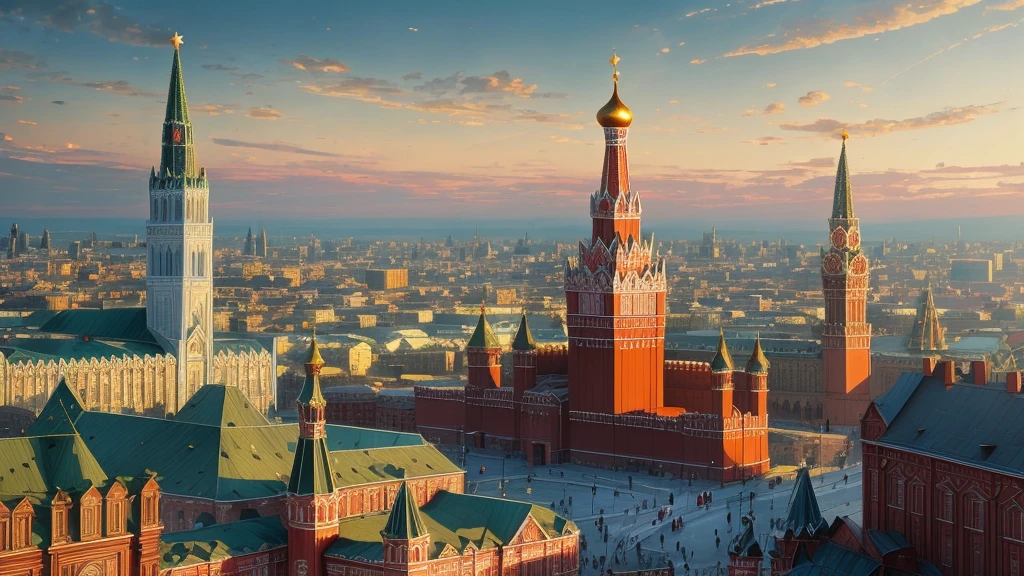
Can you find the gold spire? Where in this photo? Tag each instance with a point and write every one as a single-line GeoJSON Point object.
{"type": "Point", "coordinates": [615, 114]}
{"type": "Point", "coordinates": [846, 135]}
{"type": "Point", "coordinates": [313, 357]}
{"type": "Point", "coordinates": [177, 41]}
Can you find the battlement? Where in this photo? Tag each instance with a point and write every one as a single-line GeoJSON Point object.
{"type": "Point", "coordinates": [455, 393]}
{"type": "Point", "coordinates": [552, 359]}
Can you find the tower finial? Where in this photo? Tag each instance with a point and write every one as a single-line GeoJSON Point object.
{"type": "Point", "coordinates": [483, 305]}
{"type": "Point", "coordinates": [177, 41]}
{"type": "Point", "coordinates": [615, 66]}
{"type": "Point", "coordinates": [846, 135]}
{"type": "Point", "coordinates": [615, 114]}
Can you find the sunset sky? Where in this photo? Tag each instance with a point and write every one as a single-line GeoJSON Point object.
{"type": "Point", "coordinates": [486, 109]}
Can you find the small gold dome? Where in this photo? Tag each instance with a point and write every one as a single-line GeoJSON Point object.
{"type": "Point", "coordinates": [615, 114]}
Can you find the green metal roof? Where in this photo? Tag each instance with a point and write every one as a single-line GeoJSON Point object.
{"type": "Point", "coordinates": [404, 522]}
{"type": "Point", "coordinates": [233, 463]}
{"type": "Point", "coordinates": [722, 362]}
{"type": "Point", "coordinates": [126, 324]}
{"type": "Point", "coordinates": [757, 364]}
{"type": "Point", "coordinates": [219, 405]}
{"type": "Point", "coordinates": [311, 468]}
{"type": "Point", "coordinates": [34, 350]}
{"type": "Point", "coordinates": [483, 336]}
{"type": "Point", "coordinates": [221, 541]}
{"type": "Point", "coordinates": [38, 466]}
{"type": "Point", "coordinates": [804, 515]}
{"type": "Point", "coordinates": [842, 202]}
{"type": "Point", "coordinates": [524, 338]}
{"type": "Point", "coordinates": [451, 519]}
{"type": "Point", "coordinates": [178, 156]}
{"type": "Point", "coordinates": [310, 393]}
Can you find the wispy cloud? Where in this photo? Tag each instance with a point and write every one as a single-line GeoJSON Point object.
{"type": "Point", "coordinates": [264, 113]}
{"type": "Point", "coordinates": [122, 87]}
{"type": "Point", "coordinates": [775, 108]}
{"type": "Point", "coordinates": [765, 141]}
{"type": "Point", "coordinates": [310, 64]}
{"type": "Point", "coordinates": [879, 126]}
{"type": "Point", "coordinates": [1008, 6]}
{"type": "Point", "coordinates": [57, 102]}
{"type": "Point", "coordinates": [273, 147]}
{"type": "Point", "coordinates": [768, 85]}
{"type": "Point", "coordinates": [219, 67]}
{"type": "Point", "coordinates": [870, 22]}
{"type": "Point", "coordinates": [214, 109]}
{"type": "Point", "coordinates": [813, 98]}
{"type": "Point", "coordinates": [957, 44]}
{"type": "Point", "coordinates": [697, 12]}
{"type": "Point", "coordinates": [18, 60]}
{"type": "Point", "coordinates": [94, 16]}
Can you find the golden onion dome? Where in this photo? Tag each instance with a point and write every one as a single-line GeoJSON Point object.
{"type": "Point", "coordinates": [615, 114]}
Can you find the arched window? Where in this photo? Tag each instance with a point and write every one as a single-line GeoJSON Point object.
{"type": "Point", "coordinates": [153, 210]}
{"type": "Point", "coordinates": [194, 262]}
{"type": "Point", "coordinates": [164, 212]}
{"type": "Point", "coordinates": [177, 209]}
{"type": "Point", "coordinates": [181, 519]}
{"type": "Point", "coordinates": [188, 209]}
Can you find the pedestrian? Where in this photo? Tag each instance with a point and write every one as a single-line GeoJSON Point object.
{"type": "Point", "coordinates": [718, 542]}
{"type": "Point", "coordinates": [662, 541]}
{"type": "Point", "coordinates": [630, 481]}
{"type": "Point", "coordinates": [846, 479]}
{"type": "Point", "coordinates": [716, 531]}
{"type": "Point", "coordinates": [728, 518]}
{"type": "Point", "coordinates": [677, 545]}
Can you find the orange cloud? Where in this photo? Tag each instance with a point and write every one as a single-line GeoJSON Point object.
{"type": "Point", "coordinates": [879, 126]}
{"type": "Point", "coordinates": [867, 24]}
{"type": "Point", "coordinates": [310, 64]}
{"type": "Point", "coordinates": [813, 98]}
{"type": "Point", "coordinates": [263, 113]}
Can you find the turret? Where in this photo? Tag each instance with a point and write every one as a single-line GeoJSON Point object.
{"type": "Point", "coordinates": [803, 525]}
{"type": "Point", "coordinates": [757, 380]}
{"type": "Point", "coordinates": [721, 379]}
{"type": "Point", "coordinates": [405, 536]}
{"type": "Point", "coordinates": [927, 335]}
{"type": "Point", "coordinates": [483, 352]}
{"type": "Point", "coordinates": [524, 351]}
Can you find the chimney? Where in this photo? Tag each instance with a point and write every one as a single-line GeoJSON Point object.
{"type": "Point", "coordinates": [979, 369]}
{"type": "Point", "coordinates": [929, 365]}
{"type": "Point", "coordinates": [947, 371]}
{"type": "Point", "coordinates": [1013, 382]}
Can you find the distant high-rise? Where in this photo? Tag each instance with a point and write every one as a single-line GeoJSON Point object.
{"type": "Point", "coordinates": [24, 239]}
{"type": "Point", "coordinates": [44, 242]}
{"type": "Point", "coordinates": [249, 249]}
{"type": "Point", "coordinates": [75, 250]}
{"type": "Point", "coordinates": [846, 338]}
{"type": "Point", "coordinates": [709, 245]}
{"type": "Point", "coordinates": [261, 244]}
{"type": "Point", "coordinates": [12, 242]}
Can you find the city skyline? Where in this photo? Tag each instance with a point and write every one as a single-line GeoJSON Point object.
{"type": "Point", "coordinates": [315, 113]}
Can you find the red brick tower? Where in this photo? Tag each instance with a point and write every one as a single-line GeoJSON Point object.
{"type": "Point", "coordinates": [524, 353]}
{"type": "Point", "coordinates": [312, 515]}
{"type": "Point", "coordinates": [483, 354]}
{"type": "Point", "coordinates": [722, 385]}
{"type": "Point", "coordinates": [405, 536]}
{"type": "Point", "coordinates": [615, 291]}
{"type": "Point", "coordinates": [846, 338]}
{"type": "Point", "coordinates": [757, 381]}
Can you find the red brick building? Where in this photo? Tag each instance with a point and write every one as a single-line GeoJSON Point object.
{"type": "Point", "coordinates": [609, 398]}
{"type": "Point", "coordinates": [943, 465]}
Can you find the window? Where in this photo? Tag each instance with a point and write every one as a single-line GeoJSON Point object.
{"type": "Point", "coordinates": [917, 498]}
{"type": "Point", "coordinates": [1014, 527]}
{"type": "Point", "coordinates": [895, 495]}
{"type": "Point", "coordinates": [944, 505]}
{"type": "Point", "coordinates": [947, 546]}
{"type": "Point", "coordinates": [874, 485]}
{"type": "Point", "coordinates": [974, 512]}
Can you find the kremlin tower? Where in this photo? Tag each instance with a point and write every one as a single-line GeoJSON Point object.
{"type": "Point", "coordinates": [615, 291]}
{"type": "Point", "coordinates": [846, 338]}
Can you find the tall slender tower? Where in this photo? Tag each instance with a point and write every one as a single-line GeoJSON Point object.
{"type": "Point", "coordinates": [615, 291]}
{"type": "Point", "coordinates": [179, 236]}
{"type": "Point", "coordinates": [846, 338]}
{"type": "Point", "coordinates": [312, 514]}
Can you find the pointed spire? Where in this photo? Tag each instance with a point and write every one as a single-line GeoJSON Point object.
{"type": "Point", "coordinates": [524, 338]}
{"type": "Point", "coordinates": [483, 336]}
{"type": "Point", "coordinates": [310, 393]}
{"type": "Point", "coordinates": [178, 157]}
{"type": "Point", "coordinates": [804, 516]}
{"type": "Point", "coordinates": [723, 360]}
{"type": "Point", "coordinates": [927, 334]}
{"type": "Point", "coordinates": [842, 203]}
{"type": "Point", "coordinates": [757, 364]}
{"type": "Point", "coordinates": [404, 522]}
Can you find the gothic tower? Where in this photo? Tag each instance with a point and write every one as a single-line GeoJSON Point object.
{"type": "Point", "coordinates": [312, 515]}
{"type": "Point", "coordinates": [405, 537]}
{"type": "Point", "coordinates": [846, 338]}
{"type": "Point", "coordinates": [927, 334]}
{"type": "Point", "coordinates": [179, 237]}
{"type": "Point", "coordinates": [615, 291]}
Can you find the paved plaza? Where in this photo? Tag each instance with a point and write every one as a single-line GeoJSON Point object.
{"type": "Point", "coordinates": [590, 496]}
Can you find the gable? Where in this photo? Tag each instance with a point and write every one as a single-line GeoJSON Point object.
{"type": "Point", "coordinates": [530, 531]}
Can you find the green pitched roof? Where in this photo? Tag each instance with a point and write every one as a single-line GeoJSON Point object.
{"type": "Point", "coordinates": [456, 520]}
{"type": "Point", "coordinates": [207, 460]}
{"type": "Point", "coordinates": [483, 336]}
{"type": "Point", "coordinates": [311, 468]}
{"type": "Point", "coordinates": [404, 522]}
{"type": "Point", "coordinates": [34, 350]}
{"type": "Point", "coordinates": [39, 465]}
{"type": "Point", "coordinates": [722, 362]}
{"type": "Point", "coordinates": [842, 202]}
{"type": "Point", "coordinates": [757, 364]}
{"type": "Point", "coordinates": [219, 405]}
{"type": "Point", "coordinates": [804, 515]}
{"type": "Point", "coordinates": [221, 541]}
{"type": "Point", "coordinates": [178, 157]}
{"type": "Point", "coordinates": [125, 324]}
{"type": "Point", "coordinates": [524, 338]}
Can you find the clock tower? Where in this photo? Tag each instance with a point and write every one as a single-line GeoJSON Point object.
{"type": "Point", "coordinates": [846, 338]}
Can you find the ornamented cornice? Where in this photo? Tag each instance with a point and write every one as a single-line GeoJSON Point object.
{"type": "Point", "coordinates": [604, 205]}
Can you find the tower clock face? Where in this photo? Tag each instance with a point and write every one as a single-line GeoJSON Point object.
{"type": "Point", "coordinates": [859, 265]}
{"type": "Point", "coordinates": [854, 238]}
{"type": "Point", "coordinates": [839, 238]}
{"type": "Point", "coordinates": [832, 264]}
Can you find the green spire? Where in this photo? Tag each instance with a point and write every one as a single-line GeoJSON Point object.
{"type": "Point", "coordinates": [404, 522]}
{"type": "Point", "coordinates": [524, 339]}
{"type": "Point", "coordinates": [178, 156]}
{"type": "Point", "coordinates": [723, 360]}
{"type": "Point", "coordinates": [842, 203]}
{"type": "Point", "coordinates": [757, 364]}
{"type": "Point", "coordinates": [483, 336]}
